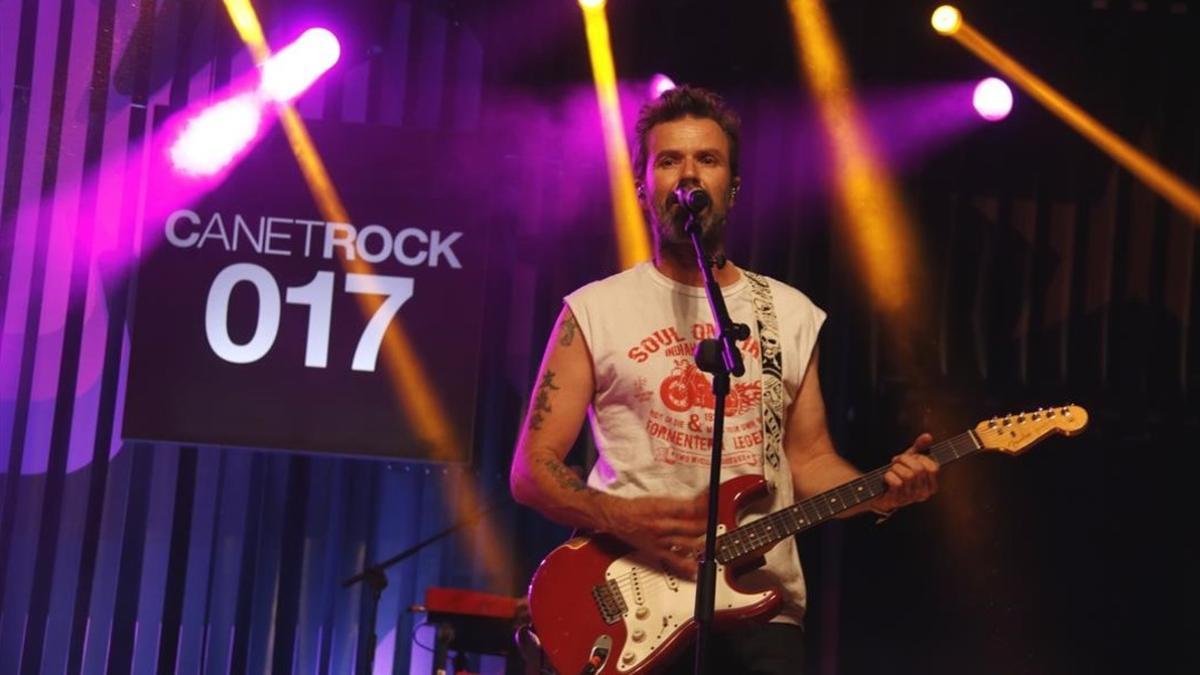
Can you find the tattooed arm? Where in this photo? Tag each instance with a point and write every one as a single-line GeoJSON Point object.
{"type": "Point", "coordinates": [668, 526]}
{"type": "Point", "coordinates": [557, 407]}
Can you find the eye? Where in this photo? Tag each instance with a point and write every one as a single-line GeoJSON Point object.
{"type": "Point", "coordinates": [709, 160]}
{"type": "Point", "coordinates": [666, 161]}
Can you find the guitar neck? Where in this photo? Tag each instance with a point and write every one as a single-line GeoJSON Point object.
{"type": "Point", "coordinates": [776, 527]}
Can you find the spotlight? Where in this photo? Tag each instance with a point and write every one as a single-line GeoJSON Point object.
{"type": "Point", "coordinates": [591, 4]}
{"type": "Point", "coordinates": [288, 73]}
{"type": "Point", "coordinates": [946, 19]}
{"type": "Point", "coordinates": [213, 138]}
{"type": "Point", "coordinates": [660, 84]}
{"type": "Point", "coordinates": [993, 99]}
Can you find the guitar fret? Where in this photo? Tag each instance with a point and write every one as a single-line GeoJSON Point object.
{"type": "Point", "coordinates": [792, 521]}
{"type": "Point", "coordinates": [849, 496]}
{"type": "Point", "coordinates": [811, 512]}
{"type": "Point", "coordinates": [800, 515]}
{"type": "Point", "coordinates": [861, 491]}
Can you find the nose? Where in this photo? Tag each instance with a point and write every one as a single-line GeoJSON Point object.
{"type": "Point", "coordinates": [688, 169]}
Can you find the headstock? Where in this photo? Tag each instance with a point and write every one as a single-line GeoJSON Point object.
{"type": "Point", "coordinates": [1013, 434]}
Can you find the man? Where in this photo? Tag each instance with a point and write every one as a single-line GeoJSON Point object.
{"type": "Point", "coordinates": [622, 347]}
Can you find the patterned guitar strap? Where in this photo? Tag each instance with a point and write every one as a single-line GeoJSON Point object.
{"type": "Point", "coordinates": [771, 403]}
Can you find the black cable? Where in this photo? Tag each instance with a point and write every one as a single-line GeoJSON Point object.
{"type": "Point", "coordinates": [413, 636]}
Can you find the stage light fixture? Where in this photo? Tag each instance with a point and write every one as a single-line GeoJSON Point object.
{"type": "Point", "coordinates": [946, 19]}
{"type": "Point", "coordinates": [591, 4]}
{"type": "Point", "coordinates": [1171, 187]}
{"type": "Point", "coordinates": [296, 67]}
{"type": "Point", "coordinates": [993, 99]}
{"type": "Point", "coordinates": [660, 84]}
{"type": "Point", "coordinates": [215, 136]}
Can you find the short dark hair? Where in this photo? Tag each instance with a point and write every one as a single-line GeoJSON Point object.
{"type": "Point", "coordinates": [680, 102]}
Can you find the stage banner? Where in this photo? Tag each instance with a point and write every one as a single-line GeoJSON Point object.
{"type": "Point", "coordinates": [258, 323]}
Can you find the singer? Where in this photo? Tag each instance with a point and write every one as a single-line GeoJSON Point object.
{"type": "Point", "coordinates": [652, 410]}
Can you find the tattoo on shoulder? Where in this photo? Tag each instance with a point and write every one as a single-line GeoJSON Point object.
{"type": "Point", "coordinates": [566, 334]}
{"type": "Point", "coordinates": [541, 402]}
{"type": "Point", "coordinates": [565, 477]}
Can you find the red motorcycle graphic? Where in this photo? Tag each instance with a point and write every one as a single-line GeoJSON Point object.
{"type": "Point", "coordinates": [686, 387]}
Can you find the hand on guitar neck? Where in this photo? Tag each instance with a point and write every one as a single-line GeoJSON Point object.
{"type": "Point", "coordinates": [912, 477]}
{"type": "Point", "coordinates": [669, 528]}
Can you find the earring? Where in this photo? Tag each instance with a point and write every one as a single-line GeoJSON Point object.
{"type": "Point", "coordinates": [641, 191]}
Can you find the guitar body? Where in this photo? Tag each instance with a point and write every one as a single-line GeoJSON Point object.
{"type": "Point", "coordinates": [594, 599]}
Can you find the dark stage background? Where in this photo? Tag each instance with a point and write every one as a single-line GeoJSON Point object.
{"type": "Point", "coordinates": [1047, 275]}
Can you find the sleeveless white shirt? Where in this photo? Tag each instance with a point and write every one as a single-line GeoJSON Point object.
{"type": "Point", "coordinates": [652, 410]}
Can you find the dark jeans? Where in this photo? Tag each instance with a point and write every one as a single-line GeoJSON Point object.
{"type": "Point", "coordinates": [758, 649]}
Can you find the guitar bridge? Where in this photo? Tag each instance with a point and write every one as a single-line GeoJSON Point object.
{"type": "Point", "coordinates": [609, 601]}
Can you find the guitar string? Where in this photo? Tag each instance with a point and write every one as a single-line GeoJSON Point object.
{"type": "Point", "coordinates": [626, 581]}
{"type": "Point", "coordinates": [947, 448]}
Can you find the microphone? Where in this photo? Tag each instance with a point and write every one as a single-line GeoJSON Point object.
{"type": "Point", "coordinates": [692, 197]}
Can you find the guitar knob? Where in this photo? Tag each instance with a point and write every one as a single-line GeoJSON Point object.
{"type": "Point", "coordinates": [628, 657]}
{"type": "Point", "coordinates": [639, 635]}
{"type": "Point", "coordinates": [642, 613]}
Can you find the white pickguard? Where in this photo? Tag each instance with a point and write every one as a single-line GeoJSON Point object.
{"type": "Point", "coordinates": [660, 604]}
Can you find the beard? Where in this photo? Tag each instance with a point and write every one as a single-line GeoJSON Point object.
{"type": "Point", "coordinates": [669, 219]}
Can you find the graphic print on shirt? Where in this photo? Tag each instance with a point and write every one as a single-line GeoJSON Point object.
{"type": "Point", "coordinates": [680, 420]}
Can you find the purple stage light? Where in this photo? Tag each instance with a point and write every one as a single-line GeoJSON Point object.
{"type": "Point", "coordinates": [214, 137]}
{"type": "Point", "coordinates": [993, 99]}
{"type": "Point", "coordinates": [295, 67]}
{"type": "Point", "coordinates": [660, 84]}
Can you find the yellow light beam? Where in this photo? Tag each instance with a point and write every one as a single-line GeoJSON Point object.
{"type": "Point", "coordinates": [877, 222]}
{"type": "Point", "coordinates": [412, 385]}
{"type": "Point", "coordinates": [1176, 191]}
{"type": "Point", "coordinates": [245, 21]}
{"type": "Point", "coordinates": [633, 244]}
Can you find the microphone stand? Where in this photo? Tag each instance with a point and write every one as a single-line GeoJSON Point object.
{"type": "Point", "coordinates": [721, 358]}
{"type": "Point", "coordinates": [374, 580]}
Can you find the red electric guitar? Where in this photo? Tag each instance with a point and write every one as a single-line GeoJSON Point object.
{"type": "Point", "coordinates": [601, 607]}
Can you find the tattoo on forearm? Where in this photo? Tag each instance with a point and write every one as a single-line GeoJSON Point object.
{"type": "Point", "coordinates": [566, 334]}
{"type": "Point", "coordinates": [541, 403]}
{"type": "Point", "coordinates": [565, 477]}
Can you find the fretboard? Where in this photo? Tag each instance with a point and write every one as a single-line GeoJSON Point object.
{"type": "Point", "coordinates": [771, 529]}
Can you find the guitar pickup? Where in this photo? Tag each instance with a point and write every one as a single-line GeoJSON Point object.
{"type": "Point", "coordinates": [609, 601]}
